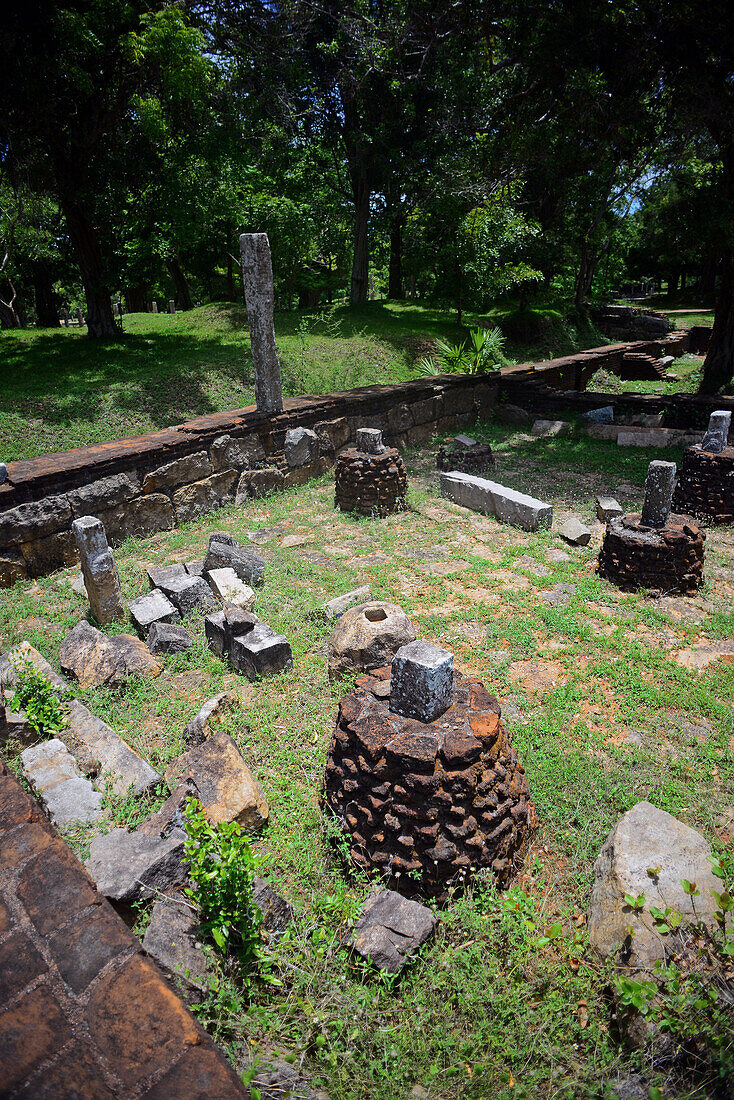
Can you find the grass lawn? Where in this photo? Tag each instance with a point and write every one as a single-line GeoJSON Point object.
{"type": "Point", "coordinates": [61, 390]}
{"type": "Point", "coordinates": [600, 710]}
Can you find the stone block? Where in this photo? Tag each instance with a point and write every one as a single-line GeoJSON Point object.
{"type": "Point", "coordinates": [550, 428]}
{"type": "Point", "coordinates": [421, 681]}
{"type": "Point", "coordinates": [655, 437]}
{"type": "Point", "coordinates": [142, 517]}
{"type": "Point", "coordinates": [174, 941]}
{"type": "Point", "coordinates": [493, 499]}
{"type": "Point", "coordinates": [301, 447]}
{"type": "Point", "coordinates": [226, 553]}
{"type": "Point", "coordinates": [168, 638]}
{"type": "Point", "coordinates": [368, 636]}
{"type": "Point", "coordinates": [465, 441]}
{"type": "Point", "coordinates": [211, 715]}
{"type": "Point", "coordinates": [224, 784]}
{"type": "Point", "coordinates": [94, 659]}
{"type": "Point", "coordinates": [101, 579]}
{"type": "Point", "coordinates": [189, 594]}
{"type": "Point", "coordinates": [53, 888]}
{"type": "Point", "coordinates": [195, 568]}
{"type": "Point", "coordinates": [229, 588]}
{"type": "Point", "coordinates": [370, 441]}
{"type": "Point", "coordinates": [659, 486]}
{"type": "Point", "coordinates": [129, 866]}
{"type": "Point", "coordinates": [260, 653]}
{"type": "Point", "coordinates": [29, 522]}
{"type": "Point", "coordinates": [607, 508]}
{"type": "Point", "coordinates": [230, 453]}
{"type": "Point", "coordinates": [106, 493]}
{"type": "Point", "coordinates": [52, 773]}
{"type": "Point", "coordinates": [115, 757]}
{"type": "Point", "coordinates": [717, 433]}
{"type": "Point", "coordinates": [276, 912]}
{"type": "Point", "coordinates": [160, 574]}
{"type": "Point", "coordinates": [604, 431]}
{"type": "Point", "coordinates": [335, 608]}
{"type": "Point", "coordinates": [12, 568]}
{"type": "Point", "coordinates": [254, 484]}
{"type": "Point", "coordinates": [43, 556]}
{"type": "Point", "coordinates": [389, 928]}
{"type": "Point", "coordinates": [513, 414]}
{"type": "Point", "coordinates": [179, 472]}
{"type": "Point", "coordinates": [575, 532]}
{"type": "Point", "coordinates": [333, 434]}
{"type": "Point", "coordinates": [151, 608]}
{"type": "Point", "coordinates": [215, 634]}
{"type": "Point", "coordinates": [604, 415]}
{"type": "Point", "coordinates": [204, 496]}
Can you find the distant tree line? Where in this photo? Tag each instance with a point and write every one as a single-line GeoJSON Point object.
{"type": "Point", "coordinates": [455, 152]}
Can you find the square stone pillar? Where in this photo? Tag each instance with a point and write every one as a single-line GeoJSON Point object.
{"type": "Point", "coordinates": [257, 275]}
{"type": "Point", "coordinates": [659, 486]}
{"type": "Point", "coordinates": [101, 578]}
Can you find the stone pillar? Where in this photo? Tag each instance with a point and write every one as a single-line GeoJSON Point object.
{"type": "Point", "coordinates": [717, 434]}
{"type": "Point", "coordinates": [257, 275]}
{"type": "Point", "coordinates": [369, 440]}
{"type": "Point", "coordinates": [421, 681]}
{"type": "Point", "coordinates": [659, 485]}
{"type": "Point", "coordinates": [154, 307]}
{"type": "Point", "coordinates": [3, 472]}
{"type": "Point", "coordinates": [171, 305]}
{"type": "Point", "coordinates": [101, 578]}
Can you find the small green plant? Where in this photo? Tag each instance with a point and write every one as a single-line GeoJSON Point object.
{"type": "Point", "coordinates": [43, 705]}
{"type": "Point", "coordinates": [222, 869]}
{"type": "Point", "coordinates": [483, 352]}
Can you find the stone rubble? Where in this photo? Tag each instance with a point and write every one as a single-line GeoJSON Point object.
{"type": "Point", "coordinates": [168, 638]}
{"type": "Point", "coordinates": [492, 499]}
{"type": "Point", "coordinates": [608, 508]}
{"type": "Point", "coordinates": [390, 928]}
{"type": "Point", "coordinates": [94, 659]}
{"type": "Point", "coordinates": [335, 608]}
{"type": "Point", "coordinates": [368, 636]}
{"type": "Point", "coordinates": [66, 796]}
{"type": "Point", "coordinates": [575, 532]}
{"type": "Point", "coordinates": [301, 447]}
{"type": "Point", "coordinates": [129, 866]}
{"type": "Point", "coordinates": [189, 594]}
{"type": "Point", "coordinates": [103, 752]}
{"type": "Point", "coordinates": [222, 782]}
{"type": "Point", "coordinates": [210, 716]}
{"type": "Point", "coordinates": [226, 553]}
{"type": "Point", "coordinates": [230, 589]}
{"type": "Point", "coordinates": [153, 607]}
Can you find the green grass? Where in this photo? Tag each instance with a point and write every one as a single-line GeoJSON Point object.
{"type": "Point", "coordinates": [485, 1012]}
{"type": "Point", "coordinates": [61, 390]}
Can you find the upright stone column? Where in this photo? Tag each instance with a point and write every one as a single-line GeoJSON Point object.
{"type": "Point", "coordinates": [717, 434]}
{"type": "Point", "coordinates": [154, 307]}
{"type": "Point", "coordinates": [101, 578]}
{"type": "Point", "coordinates": [171, 305]}
{"type": "Point", "coordinates": [257, 274]}
{"type": "Point", "coordinates": [369, 440]}
{"type": "Point", "coordinates": [659, 485]}
{"type": "Point", "coordinates": [421, 681]}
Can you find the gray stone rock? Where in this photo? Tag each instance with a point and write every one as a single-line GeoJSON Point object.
{"type": "Point", "coordinates": [225, 584]}
{"type": "Point", "coordinates": [168, 638]}
{"type": "Point", "coordinates": [65, 795]}
{"type": "Point", "coordinates": [113, 756]}
{"type": "Point", "coordinates": [257, 274]}
{"type": "Point", "coordinates": [108, 492]}
{"type": "Point", "coordinates": [143, 516]}
{"type": "Point", "coordinates": [492, 499]}
{"type": "Point", "coordinates": [646, 840]}
{"type": "Point", "coordinates": [153, 607]}
{"type": "Point", "coordinates": [34, 521]}
{"type": "Point", "coordinates": [276, 912]}
{"type": "Point", "coordinates": [512, 414]}
{"type": "Point", "coordinates": [222, 782]}
{"type": "Point", "coordinates": [229, 453]}
{"type": "Point", "coordinates": [129, 866]}
{"type": "Point", "coordinates": [215, 634]}
{"type": "Point", "coordinates": [179, 472]}
{"type": "Point", "coordinates": [368, 636]}
{"type": "Point", "coordinates": [465, 441]}
{"type": "Point", "coordinates": [717, 433]}
{"type": "Point", "coordinates": [161, 574]}
{"type": "Point", "coordinates": [333, 434]}
{"type": "Point", "coordinates": [576, 532]}
{"type": "Point", "coordinates": [608, 508]}
{"type": "Point", "coordinates": [369, 440]}
{"type": "Point", "coordinates": [189, 594]}
{"type": "Point", "coordinates": [550, 428]}
{"type": "Point", "coordinates": [389, 928]}
{"type": "Point", "coordinates": [3, 473]}
{"type": "Point", "coordinates": [604, 415]}
{"type": "Point", "coordinates": [210, 716]}
{"type": "Point", "coordinates": [301, 447]}
{"type": "Point", "coordinates": [101, 579]}
{"type": "Point", "coordinates": [421, 681]}
{"type": "Point", "coordinates": [78, 586]}
{"type": "Point", "coordinates": [335, 608]}
{"type": "Point", "coordinates": [254, 484]}
{"type": "Point", "coordinates": [260, 653]}
{"type": "Point", "coordinates": [94, 659]}
{"type": "Point", "coordinates": [226, 553]}
{"type": "Point", "coordinates": [204, 496]}
{"type": "Point", "coordinates": [659, 486]}
{"type": "Point", "coordinates": [172, 939]}
{"type": "Point", "coordinates": [195, 568]}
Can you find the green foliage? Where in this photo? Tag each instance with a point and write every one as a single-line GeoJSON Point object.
{"type": "Point", "coordinates": [43, 705]}
{"type": "Point", "coordinates": [222, 869]}
{"type": "Point", "coordinates": [483, 352]}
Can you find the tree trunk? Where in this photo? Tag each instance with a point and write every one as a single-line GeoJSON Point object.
{"type": "Point", "coordinates": [360, 263]}
{"type": "Point", "coordinates": [85, 241]}
{"type": "Point", "coordinates": [395, 271]}
{"type": "Point", "coordinates": [136, 299]}
{"type": "Point", "coordinates": [9, 314]}
{"type": "Point", "coordinates": [672, 283]}
{"type": "Point", "coordinates": [718, 367]}
{"type": "Point", "coordinates": [709, 265]}
{"type": "Point", "coordinates": [183, 294]}
{"type": "Point", "coordinates": [43, 288]}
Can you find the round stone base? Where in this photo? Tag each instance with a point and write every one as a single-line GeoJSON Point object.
{"type": "Point", "coordinates": [426, 804]}
{"type": "Point", "coordinates": [667, 560]}
{"type": "Point", "coordinates": [372, 485]}
{"type": "Point", "coordinates": [705, 486]}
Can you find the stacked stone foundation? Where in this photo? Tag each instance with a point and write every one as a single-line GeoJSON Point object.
{"type": "Point", "coordinates": [668, 560]}
{"type": "Point", "coordinates": [705, 486]}
{"type": "Point", "coordinates": [369, 484]}
{"type": "Point", "coordinates": [426, 804]}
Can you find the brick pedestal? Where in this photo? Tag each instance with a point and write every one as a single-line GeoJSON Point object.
{"type": "Point", "coordinates": [370, 484]}
{"type": "Point", "coordinates": [705, 486]}
{"type": "Point", "coordinates": [667, 560]}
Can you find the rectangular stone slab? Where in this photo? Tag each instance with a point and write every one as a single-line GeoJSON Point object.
{"type": "Point", "coordinates": [125, 767]}
{"type": "Point", "coordinates": [493, 499]}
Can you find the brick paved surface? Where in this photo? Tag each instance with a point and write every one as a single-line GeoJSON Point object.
{"type": "Point", "coordinates": [84, 1014]}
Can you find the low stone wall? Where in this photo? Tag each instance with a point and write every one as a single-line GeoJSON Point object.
{"type": "Point", "coordinates": [83, 1011]}
{"type": "Point", "coordinates": [154, 482]}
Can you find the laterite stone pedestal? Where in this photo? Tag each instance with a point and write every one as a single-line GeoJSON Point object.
{"type": "Point", "coordinates": [427, 803]}
{"type": "Point", "coordinates": [706, 485]}
{"type": "Point", "coordinates": [371, 482]}
{"type": "Point", "coordinates": [667, 559]}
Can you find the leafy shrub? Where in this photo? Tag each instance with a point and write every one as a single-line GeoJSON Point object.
{"type": "Point", "coordinates": [222, 869]}
{"type": "Point", "coordinates": [43, 705]}
{"type": "Point", "coordinates": [483, 352]}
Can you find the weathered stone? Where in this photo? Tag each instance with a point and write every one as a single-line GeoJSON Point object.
{"type": "Point", "coordinates": [12, 568]}
{"type": "Point", "coordinates": [370, 484]}
{"type": "Point", "coordinates": [29, 522]}
{"type": "Point", "coordinates": [101, 579]}
{"type": "Point", "coordinates": [492, 499]}
{"type": "Point", "coordinates": [142, 517]}
{"type": "Point", "coordinates": [209, 718]}
{"type": "Point", "coordinates": [550, 428]}
{"type": "Point", "coordinates": [389, 928]}
{"type": "Point", "coordinates": [228, 453]}
{"type": "Point", "coordinates": [43, 556]}
{"type": "Point", "coordinates": [604, 415]}
{"type": "Point", "coordinates": [173, 940]}
{"type": "Point", "coordinates": [260, 652]}
{"type": "Point", "coordinates": [215, 634]}
{"type": "Point", "coordinates": [655, 437]}
{"type": "Point", "coordinates": [717, 433]}
{"type": "Point", "coordinates": [228, 587]}
{"type": "Point", "coordinates": [3, 473]}
{"type": "Point", "coordinates": [195, 568]}
{"type": "Point", "coordinates": [52, 773]}
{"type": "Point", "coordinates": [276, 912]}
{"type": "Point", "coordinates": [204, 496]}
{"type": "Point", "coordinates": [335, 608]}
{"type": "Point", "coordinates": [128, 866]}
{"type": "Point", "coordinates": [575, 532]}
{"type": "Point", "coordinates": [368, 636]}
{"type": "Point", "coordinates": [94, 659]}
{"type": "Point", "coordinates": [421, 681]}
{"type": "Point", "coordinates": [257, 274]}
{"type": "Point", "coordinates": [112, 755]}
{"type": "Point", "coordinates": [26, 652]}
{"type": "Point", "coordinates": [224, 784]}
{"type": "Point", "coordinates": [160, 574]}
{"type": "Point", "coordinates": [301, 447]}
{"type": "Point", "coordinates": [608, 508]}
{"type": "Point", "coordinates": [151, 608]}
{"type": "Point", "coordinates": [189, 594]}
{"type": "Point", "coordinates": [333, 434]}
{"type": "Point", "coordinates": [648, 852]}
{"type": "Point", "coordinates": [370, 441]}
{"type": "Point", "coordinates": [168, 638]}
{"type": "Point", "coordinates": [465, 441]}
{"type": "Point", "coordinates": [254, 484]}
{"type": "Point", "coordinates": [513, 414]}
{"type": "Point", "coordinates": [226, 553]}
{"type": "Point", "coordinates": [179, 472]}
{"type": "Point", "coordinates": [106, 493]}
{"type": "Point", "coordinates": [659, 486]}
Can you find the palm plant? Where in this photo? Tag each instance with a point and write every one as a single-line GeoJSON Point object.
{"type": "Point", "coordinates": [483, 352]}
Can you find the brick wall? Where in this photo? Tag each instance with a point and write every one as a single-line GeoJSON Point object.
{"type": "Point", "coordinates": [83, 1011]}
